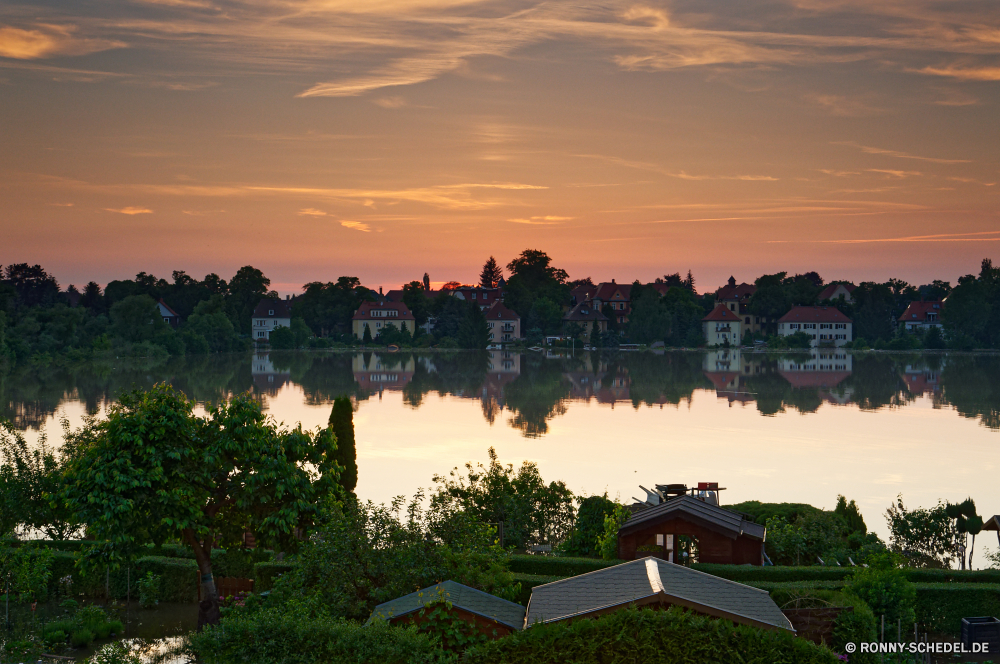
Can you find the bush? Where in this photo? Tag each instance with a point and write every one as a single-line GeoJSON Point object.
{"type": "Point", "coordinates": [582, 540]}
{"type": "Point", "coordinates": [81, 637]}
{"type": "Point", "coordinates": [940, 607]}
{"type": "Point", "coordinates": [855, 626]}
{"type": "Point", "coordinates": [557, 565]}
{"type": "Point", "coordinates": [270, 636]}
{"type": "Point", "coordinates": [748, 573]}
{"type": "Point", "coordinates": [264, 574]}
{"type": "Point", "coordinates": [149, 590]}
{"type": "Point", "coordinates": [665, 637]}
{"type": "Point", "coordinates": [885, 589]}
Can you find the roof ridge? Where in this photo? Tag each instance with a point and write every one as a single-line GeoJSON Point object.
{"type": "Point", "coordinates": [720, 578]}
{"type": "Point", "coordinates": [580, 576]}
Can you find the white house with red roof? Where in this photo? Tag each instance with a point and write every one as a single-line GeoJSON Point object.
{"type": "Point", "coordinates": [826, 326]}
{"type": "Point", "coordinates": [722, 325]}
{"type": "Point", "coordinates": [922, 316]}
{"type": "Point", "coordinates": [379, 314]}
{"type": "Point", "coordinates": [269, 315]}
{"type": "Point", "coordinates": [504, 324]}
{"type": "Point", "coordinates": [736, 298]}
{"type": "Point", "coordinates": [836, 292]}
{"type": "Point", "coordinates": [169, 316]}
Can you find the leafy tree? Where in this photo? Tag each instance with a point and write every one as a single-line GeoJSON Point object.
{"type": "Point", "coordinates": [33, 285]}
{"type": "Point", "coordinates": [342, 423]}
{"type": "Point", "coordinates": [530, 510]}
{"type": "Point", "coordinates": [595, 334]}
{"type": "Point", "coordinates": [589, 525]}
{"type": "Point", "coordinates": [363, 554]}
{"type": "Point", "coordinates": [300, 332]}
{"type": "Point", "coordinates": [210, 321]}
{"type": "Point", "coordinates": [415, 297]}
{"type": "Point", "coordinates": [153, 471]}
{"type": "Point", "coordinates": [93, 298]}
{"type": "Point", "coordinates": [546, 315]}
{"type": "Point", "coordinates": [327, 308]}
{"type": "Point", "coordinates": [282, 338]}
{"type": "Point", "coordinates": [532, 277]}
{"type": "Point", "coordinates": [607, 542]}
{"type": "Point", "coordinates": [883, 586]}
{"type": "Point", "coordinates": [770, 299]}
{"type": "Point", "coordinates": [474, 332]}
{"type": "Point", "coordinates": [136, 319]}
{"type": "Point", "coordinates": [851, 515]}
{"type": "Point", "coordinates": [29, 479]}
{"type": "Point", "coordinates": [967, 522]}
{"type": "Point", "coordinates": [873, 311]}
{"type": "Point", "coordinates": [491, 274]}
{"type": "Point", "coordinates": [925, 537]}
{"type": "Point", "coordinates": [246, 289]}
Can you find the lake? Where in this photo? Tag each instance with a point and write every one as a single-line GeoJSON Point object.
{"type": "Point", "coordinates": [772, 427]}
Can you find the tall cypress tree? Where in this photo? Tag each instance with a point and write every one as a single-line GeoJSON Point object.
{"type": "Point", "coordinates": [342, 421]}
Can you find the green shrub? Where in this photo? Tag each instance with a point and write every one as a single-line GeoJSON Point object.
{"type": "Point", "coordinates": [747, 573]}
{"type": "Point", "coordinates": [53, 638]}
{"type": "Point", "coordinates": [557, 565]}
{"type": "Point", "coordinates": [115, 653]}
{"type": "Point", "coordinates": [264, 574]}
{"type": "Point", "coordinates": [664, 637]}
{"type": "Point", "coordinates": [888, 593]}
{"type": "Point", "coordinates": [81, 637]}
{"type": "Point", "coordinates": [148, 588]}
{"type": "Point", "coordinates": [270, 636]}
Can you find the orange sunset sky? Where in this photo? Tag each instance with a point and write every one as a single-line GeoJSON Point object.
{"type": "Point", "coordinates": [386, 138]}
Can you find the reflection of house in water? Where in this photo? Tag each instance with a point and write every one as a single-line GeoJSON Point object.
{"type": "Point", "coordinates": [727, 369]}
{"type": "Point", "coordinates": [922, 379]}
{"type": "Point", "coordinates": [502, 366]}
{"type": "Point", "coordinates": [606, 383]}
{"type": "Point", "coordinates": [376, 372]}
{"type": "Point", "coordinates": [266, 377]}
{"type": "Point", "coordinates": [822, 369]}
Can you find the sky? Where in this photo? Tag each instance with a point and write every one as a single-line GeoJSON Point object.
{"type": "Point", "coordinates": [387, 138]}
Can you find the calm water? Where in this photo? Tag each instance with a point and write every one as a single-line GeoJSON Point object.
{"type": "Point", "coordinates": [795, 428]}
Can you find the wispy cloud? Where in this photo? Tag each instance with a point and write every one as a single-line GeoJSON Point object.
{"type": "Point", "coordinates": [965, 73]}
{"type": "Point", "coordinates": [867, 149]}
{"type": "Point", "coordinates": [972, 181]}
{"type": "Point", "coordinates": [942, 237]}
{"type": "Point", "coordinates": [130, 210]}
{"type": "Point", "coordinates": [545, 220]}
{"type": "Point", "coordinates": [356, 226]}
{"type": "Point", "coordinates": [844, 106]}
{"type": "Point", "coordinates": [895, 173]}
{"type": "Point", "coordinates": [312, 212]}
{"type": "Point", "coordinates": [47, 40]}
{"type": "Point", "coordinates": [390, 102]}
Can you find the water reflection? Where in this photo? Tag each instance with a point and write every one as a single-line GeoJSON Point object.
{"type": "Point", "coordinates": [529, 390]}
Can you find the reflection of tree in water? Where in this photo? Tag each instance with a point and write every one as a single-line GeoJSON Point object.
{"type": "Point", "coordinates": [322, 376]}
{"type": "Point", "coordinates": [877, 381]}
{"type": "Point", "coordinates": [772, 391]}
{"type": "Point", "coordinates": [660, 379]}
{"type": "Point", "coordinates": [460, 374]}
{"type": "Point", "coordinates": [538, 394]}
{"type": "Point", "coordinates": [971, 384]}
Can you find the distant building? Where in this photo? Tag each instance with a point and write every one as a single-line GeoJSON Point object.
{"type": "Point", "coordinates": [484, 297]}
{"type": "Point", "coordinates": [489, 615]}
{"type": "Point", "coordinates": [922, 316]}
{"type": "Point", "coordinates": [504, 324]}
{"type": "Point", "coordinates": [379, 314]}
{"type": "Point", "coordinates": [722, 325]}
{"type": "Point", "coordinates": [826, 326]}
{"type": "Point", "coordinates": [736, 298]}
{"type": "Point", "coordinates": [618, 296]}
{"type": "Point", "coordinates": [169, 316]}
{"type": "Point", "coordinates": [269, 315]}
{"type": "Point", "coordinates": [837, 291]}
{"type": "Point", "coordinates": [581, 293]}
{"type": "Point", "coordinates": [587, 316]}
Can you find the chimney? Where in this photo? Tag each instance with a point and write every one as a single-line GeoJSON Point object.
{"type": "Point", "coordinates": [380, 290]}
{"type": "Point", "coordinates": [612, 281]}
{"type": "Point", "coordinates": [288, 297]}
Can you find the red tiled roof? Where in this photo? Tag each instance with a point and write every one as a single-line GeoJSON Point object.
{"type": "Point", "coordinates": [827, 292]}
{"type": "Point", "coordinates": [584, 311]}
{"type": "Point", "coordinates": [917, 311]}
{"type": "Point", "coordinates": [364, 310]}
{"type": "Point", "coordinates": [583, 292]}
{"type": "Point", "coordinates": [167, 307]}
{"type": "Point", "coordinates": [499, 312]}
{"type": "Point", "coordinates": [735, 292]}
{"type": "Point", "coordinates": [814, 378]}
{"type": "Point", "coordinates": [281, 309]}
{"type": "Point", "coordinates": [722, 313]}
{"type": "Point", "coordinates": [606, 292]}
{"type": "Point", "coordinates": [814, 315]}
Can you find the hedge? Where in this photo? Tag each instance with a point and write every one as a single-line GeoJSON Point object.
{"type": "Point", "coordinates": [273, 637]}
{"type": "Point", "coordinates": [557, 565]}
{"type": "Point", "coordinates": [941, 606]}
{"type": "Point", "coordinates": [529, 581]}
{"type": "Point", "coordinates": [665, 637]}
{"type": "Point", "coordinates": [264, 574]}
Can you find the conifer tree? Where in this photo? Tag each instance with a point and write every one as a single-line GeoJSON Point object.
{"type": "Point", "coordinates": [342, 422]}
{"type": "Point", "coordinates": [366, 338]}
{"type": "Point", "coordinates": [491, 274]}
{"type": "Point", "coordinates": [595, 334]}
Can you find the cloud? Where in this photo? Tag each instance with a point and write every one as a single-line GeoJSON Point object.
{"type": "Point", "coordinates": [867, 149]}
{"type": "Point", "coordinates": [312, 212]}
{"type": "Point", "coordinates": [894, 173]}
{"type": "Point", "coordinates": [356, 225]}
{"type": "Point", "coordinates": [972, 181]}
{"type": "Point", "coordinates": [390, 102]}
{"type": "Point", "coordinates": [942, 237]}
{"type": "Point", "coordinates": [838, 174]}
{"type": "Point", "coordinates": [62, 204]}
{"type": "Point", "coordinates": [545, 220]}
{"type": "Point", "coordinates": [130, 210]}
{"type": "Point", "coordinates": [844, 106]}
{"type": "Point", "coordinates": [964, 73]}
{"type": "Point", "coordinates": [46, 40]}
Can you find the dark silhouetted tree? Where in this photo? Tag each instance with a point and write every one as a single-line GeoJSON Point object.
{"type": "Point", "coordinates": [342, 423]}
{"type": "Point", "coordinates": [491, 274]}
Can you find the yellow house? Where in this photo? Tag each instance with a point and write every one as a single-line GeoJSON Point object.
{"type": "Point", "coordinates": [379, 314]}
{"type": "Point", "coordinates": [722, 325]}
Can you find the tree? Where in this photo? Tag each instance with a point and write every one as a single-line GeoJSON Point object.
{"type": "Point", "coordinates": [415, 297]}
{"type": "Point", "coordinates": [153, 471]}
{"type": "Point", "coordinates": [342, 423]}
{"type": "Point", "coordinates": [281, 338]}
{"type": "Point", "coordinates": [491, 274]}
{"type": "Point", "coordinates": [884, 587]}
{"type": "Point", "coordinates": [770, 299]}
{"type": "Point", "coordinates": [246, 289]}
{"type": "Point", "coordinates": [300, 332]}
{"type": "Point", "coordinates": [595, 334]}
{"type": "Point", "coordinates": [532, 277]}
{"type": "Point", "coordinates": [474, 332]}
{"type": "Point", "coordinates": [851, 515]}
{"type": "Point", "coordinates": [327, 308]}
{"type": "Point", "coordinates": [34, 286]}
{"type": "Point", "coordinates": [607, 542]}
{"type": "Point", "coordinates": [967, 522]}
{"type": "Point", "coordinates": [210, 321]}
{"type": "Point", "coordinates": [427, 282]}
{"type": "Point", "coordinates": [926, 537]}
{"type": "Point", "coordinates": [546, 315]}
{"type": "Point", "coordinates": [136, 319]}
{"type": "Point", "coordinates": [366, 337]}
{"type": "Point", "coordinates": [589, 525]}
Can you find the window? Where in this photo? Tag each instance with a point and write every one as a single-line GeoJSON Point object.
{"type": "Point", "coordinates": [270, 312]}
{"type": "Point", "coordinates": [748, 320]}
{"type": "Point", "coordinates": [166, 320]}
{"type": "Point", "coordinates": [473, 296]}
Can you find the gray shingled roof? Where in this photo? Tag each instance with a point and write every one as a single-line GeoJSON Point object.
{"type": "Point", "coordinates": [711, 516]}
{"type": "Point", "coordinates": [461, 596]}
{"type": "Point", "coordinates": [649, 580]}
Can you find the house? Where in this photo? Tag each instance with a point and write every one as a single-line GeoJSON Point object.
{"type": "Point", "coordinates": [379, 314]}
{"type": "Point", "coordinates": [706, 532]}
{"type": "Point", "coordinates": [618, 296]}
{"type": "Point", "coordinates": [587, 316]}
{"type": "Point", "coordinates": [504, 324]}
{"type": "Point", "coordinates": [581, 293]}
{"type": "Point", "coordinates": [493, 616]}
{"type": "Point", "coordinates": [826, 326]}
{"type": "Point", "coordinates": [841, 291]}
{"type": "Point", "coordinates": [736, 298]}
{"type": "Point", "coordinates": [722, 325]}
{"type": "Point", "coordinates": [922, 316]}
{"type": "Point", "coordinates": [269, 315]}
{"type": "Point", "coordinates": [169, 316]}
{"type": "Point", "coordinates": [484, 297]}
{"type": "Point", "coordinates": [654, 583]}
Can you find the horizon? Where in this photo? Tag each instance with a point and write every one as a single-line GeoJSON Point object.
{"type": "Point", "coordinates": [319, 138]}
